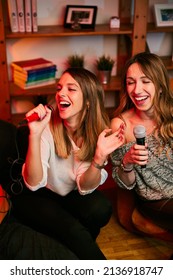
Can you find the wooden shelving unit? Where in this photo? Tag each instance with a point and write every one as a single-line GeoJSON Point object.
{"type": "Point", "coordinates": [136, 34]}
{"type": "Point", "coordinates": [60, 31]}
{"type": "Point", "coordinates": [115, 84]}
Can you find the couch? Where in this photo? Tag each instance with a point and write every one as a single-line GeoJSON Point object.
{"type": "Point", "coordinates": [18, 241]}
{"type": "Point", "coordinates": [127, 213]}
{"type": "Point", "coordinates": [132, 220]}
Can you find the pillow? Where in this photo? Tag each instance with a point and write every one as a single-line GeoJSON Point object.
{"type": "Point", "coordinates": [7, 143]}
{"type": "Point", "coordinates": [4, 204]}
{"type": "Point", "coordinates": [13, 148]}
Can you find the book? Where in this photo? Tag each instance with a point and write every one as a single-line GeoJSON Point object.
{"type": "Point", "coordinates": [36, 85]}
{"type": "Point", "coordinates": [33, 78]}
{"type": "Point", "coordinates": [28, 19]}
{"type": "Point", "coordinates": [34, 72]}
{"type": "Point", "coordinates": [12, 11]}
{"type": "Point", "coordinates": [30, 64]}
{"type": "Point", "coordinates": [17, 74]}
{"type": "Point", "coordinates": [22, 82]}
{"type": "Point", "coordinates": [20, 13]}
{"type": "Point", "coordinates": [34, 15]}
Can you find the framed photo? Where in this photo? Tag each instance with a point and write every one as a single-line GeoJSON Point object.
{"type": "Point", "coordinates": [85, 16]}
{"type": "Point", "coordinates": [163, 14]}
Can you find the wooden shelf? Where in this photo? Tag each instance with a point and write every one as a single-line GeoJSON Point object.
{"type": "Point", "coordinates": [45, 90]}
{"type": "Point", "coordinates": [167, 60]}
{"type": "Point", "coordinates": [114, 85]}
{"type": "Point", "coordinates": [152, 28]}
{"type": "Point", "coordinates": [60, 31]}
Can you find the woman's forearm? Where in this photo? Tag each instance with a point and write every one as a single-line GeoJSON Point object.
{"type": "Point", "coordinates": [90, 179]}
{"type": "Point", "coordinates": [33, 171]}
{"type": "Point", "coordinates": [128, 178]}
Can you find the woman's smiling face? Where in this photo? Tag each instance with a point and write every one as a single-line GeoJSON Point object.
{"type": "Point", "coordinates": [69, 98]}
{"type": "Point", "coordinates": [140, 88]}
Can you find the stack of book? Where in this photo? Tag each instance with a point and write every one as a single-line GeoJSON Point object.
{"type": "Point", "coordinates": [23, 15]}
{"type": "Point", "coordinates": [33, 73]}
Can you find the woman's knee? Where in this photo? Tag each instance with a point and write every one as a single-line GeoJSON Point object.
{"type": "Point", "coordinates": [104, 212]}
{"type": "Point", "coordinates": [101, 211]}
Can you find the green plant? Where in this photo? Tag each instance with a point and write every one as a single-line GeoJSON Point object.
{"type": "Point", "coordinates": [104, 63]}
{"type": "Point", "coordinates": [75, 61]}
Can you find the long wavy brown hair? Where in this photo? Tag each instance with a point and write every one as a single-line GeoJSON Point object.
{"type": "Point", "coordinates": [93, 118]}
{"type": "Point", "coordinates": [154, 69]}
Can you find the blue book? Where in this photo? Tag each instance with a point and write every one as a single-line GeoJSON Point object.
{"type": "Point", "coordinates": [35, 71]}
{"type": "Point", "coordinates": [41, 77]}
{"type": "Point", "coordinates": [34, 77]}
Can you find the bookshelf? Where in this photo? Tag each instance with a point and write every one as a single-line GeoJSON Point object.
{"type": "Point", "coordinates": [131, 39]}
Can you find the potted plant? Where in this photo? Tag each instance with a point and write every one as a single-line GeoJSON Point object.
{"type": "Point", "coordinates": [104, 66]}
{"type": "Point", "coordinates": [75, 61]}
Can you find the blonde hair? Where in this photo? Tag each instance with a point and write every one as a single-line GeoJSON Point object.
{"type": "Point", "coordinates": [153, 67]}
{"type": "Point", "coordinates": [93, 118]}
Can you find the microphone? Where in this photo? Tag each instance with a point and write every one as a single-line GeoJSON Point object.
{"type": "Point", "coordinates": [33, 117]}
{"type": "Point", "coordinates": [140, 133]}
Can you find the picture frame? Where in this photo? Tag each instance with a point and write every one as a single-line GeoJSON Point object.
{"type": "Point", "coordinates": [84, 15]}
{"type": "Point", "coordinates": [163, 14]}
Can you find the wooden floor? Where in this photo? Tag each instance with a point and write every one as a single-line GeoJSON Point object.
{"type": "Point", "coordinates": [118, 244]}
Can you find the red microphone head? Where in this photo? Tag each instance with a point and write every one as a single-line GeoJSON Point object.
{"type": "Point", "coordinates": [33, 117]}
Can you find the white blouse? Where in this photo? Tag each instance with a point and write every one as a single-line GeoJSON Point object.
{"type": "Point", "coordinates": [61, 175]}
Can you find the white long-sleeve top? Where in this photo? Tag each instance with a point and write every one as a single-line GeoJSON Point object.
{"type": "Point", "coordinates": [61, 175]}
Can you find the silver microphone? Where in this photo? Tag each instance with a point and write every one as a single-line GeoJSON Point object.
{"type": "Point", "coordinates": [139, 132]}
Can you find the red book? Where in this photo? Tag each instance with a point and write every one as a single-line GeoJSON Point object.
{"type": "Point", "coordinates": [25, 65]}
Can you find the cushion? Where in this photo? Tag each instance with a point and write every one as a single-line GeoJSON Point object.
{"type": "Point", "coordinates": [19, 242]}
{"type": "Point", "coordinates": [133, 221]}
{"type": "Point", "coordinates": [147, 227]}
{"type": "Point", "coordinates": [8, 152]}
{"type": "Point", "coordinates": [125, 206]}
{"type": "Point", "coordinates": [13, 147]}
{"type": "Point", "coordinates": [4, 204]}
{"type": "Point", "coordinates": [7, 143]}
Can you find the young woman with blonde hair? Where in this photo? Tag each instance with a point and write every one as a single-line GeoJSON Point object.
{"type": "Point", "coordinates": [147, 100]}
{"type": "Point", "coordinates": [68, 149]}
